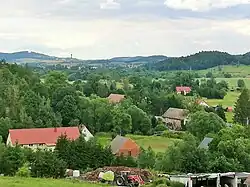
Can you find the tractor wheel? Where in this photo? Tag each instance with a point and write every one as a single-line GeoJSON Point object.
{"type": "Point", "coordinates": [136, 184]}
{"type": "Point", "coordinates": [120, 181]}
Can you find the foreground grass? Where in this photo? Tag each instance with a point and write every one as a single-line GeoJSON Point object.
{"type": "Point", "coordinates": [157, 143]}
{"type": "Point", "coordinates": [31, 182]}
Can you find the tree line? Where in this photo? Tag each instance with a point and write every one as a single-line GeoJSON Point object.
{"type": "Point", "coordinates": [199, 61]}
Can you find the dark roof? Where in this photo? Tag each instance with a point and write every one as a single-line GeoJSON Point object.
{"type": "Point", "coordinates": [117, 143]}
{"type": "Point", "coordinates": [205, 142]}
{"type": "Point", "coordinates": [176, 113]}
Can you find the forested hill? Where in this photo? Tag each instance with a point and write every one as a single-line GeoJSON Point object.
{"type": "Point", "coordinates": [201, 60]}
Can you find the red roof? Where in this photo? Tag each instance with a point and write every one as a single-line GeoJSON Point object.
{"type": "Point", "coordinates": [46, 136]}
{"type": "Point", "coordinates": [183, 89]}
{"type": "Point", "coordinates": [115, 98]}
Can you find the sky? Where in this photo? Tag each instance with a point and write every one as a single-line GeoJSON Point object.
{"type": "Point", "coordinates": [94, 29]}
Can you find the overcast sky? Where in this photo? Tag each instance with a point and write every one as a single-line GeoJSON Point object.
{"type": "Point", "coordinates": [106, 28]}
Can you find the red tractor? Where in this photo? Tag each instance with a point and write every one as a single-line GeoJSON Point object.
{"type": "Point", "coordinates": [126, 179]}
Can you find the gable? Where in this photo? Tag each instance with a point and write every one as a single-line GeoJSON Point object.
{"type": "Point", "coordinates": [117, 143]}
{"type": "Point", "coordinates": [129, 145]}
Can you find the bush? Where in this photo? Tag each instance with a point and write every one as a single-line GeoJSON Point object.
{"type": "Point", "coordinates": [176, 184]}
{"type": "Point", "coordinates": [159, 181]}
{"type": "Point", "coordinates": [227, 75]}
{"type": "Point", "coordinates": [24, 171]}
{"type": "Point", "coordinates": [160, 128]}
{"type": "Point", "coordinates": [175, 135]}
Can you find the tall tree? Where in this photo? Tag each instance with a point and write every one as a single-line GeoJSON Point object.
{"type": "Point", "coordinates": [202, 123]}
{"type": "Point", "coordinates": [242, 108]}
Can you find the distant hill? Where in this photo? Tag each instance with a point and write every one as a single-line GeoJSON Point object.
{"type": "Point", "coordinates": [138, 59]}
{"type": "Point", "coordinates": [25, 54]}
{"type": "Point", "coordinates": [29, 56]}
{"type": "Point", "coordinates": [201, 60]}
{"type": "Point", "coordinates": [33, 57]}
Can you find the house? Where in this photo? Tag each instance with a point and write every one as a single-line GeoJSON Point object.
{"type": "Point", "coordinates": [42, 138]}
{"type": "Point", "coordinates": [205, 143]}
{"type": "Point", "coordinates": [183, 90]}
{"type": "Point", "coordinates": [175, 118]}
{"type": "Point", "coordinates": [229, 109]}
{"type": "Point", "coordinates": [202, 103]}
{"type": "Point", "coordinates": [86, 133]}
{"type": "Point", "coordinates": [124, 146]}
{"type": "Point", "coordinates": [116, 98]}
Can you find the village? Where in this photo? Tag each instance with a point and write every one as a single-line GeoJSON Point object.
{"type": "Point", "coordinates": [174, 119]}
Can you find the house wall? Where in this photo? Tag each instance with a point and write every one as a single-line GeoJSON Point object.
{"type": "Point", "coordinates": [31, 146]}
{"type": "Point", "coordinates": [8, 142]}
{"type": "Point", "coordinates": [173, 124]}
{"type": "Point", "coordinates": [87, 134]}
{"type": "Point", "coordinates": [129, 148]}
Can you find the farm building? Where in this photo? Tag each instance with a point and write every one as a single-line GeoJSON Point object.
{"type": "Point", "coordinates": [231, 179]}
{"type": "Point", "coordinates": [183, 90]}
{"type": "Point", "coordinates": [175, 118]}
{"type": "Point", "coordinates": [116, 98]}
{"type": "Point", "coordinates": [43, 138]}
{"type": "Point", "coordinates": [205, 143]}
{"type": "Point", "coordinates": [124, 146]}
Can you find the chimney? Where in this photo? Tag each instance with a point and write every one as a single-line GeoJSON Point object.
{"type": "Point", "coordinates": [55, 129]}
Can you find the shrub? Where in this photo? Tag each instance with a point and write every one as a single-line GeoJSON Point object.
{"type": "Point", "coordinates": [159, 181]}
{"type": "Point", "coordinates": [24, 171]}
{"type": "Point", "coordinates": [160, 127]}
{"type": "Point", "coordinates": [176, 184]}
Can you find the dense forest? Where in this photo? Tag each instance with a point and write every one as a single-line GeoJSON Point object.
{"type": "Point", "coordinates": [201, 60]}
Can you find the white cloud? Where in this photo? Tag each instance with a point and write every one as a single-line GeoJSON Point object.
{"type": "Point", "coordinates": [203, 5]}
{"type": "Point", "coordinates": [110, 4]}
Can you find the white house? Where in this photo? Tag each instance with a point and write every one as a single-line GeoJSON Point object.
{"type": "Point", "coordinates": [86, 133]}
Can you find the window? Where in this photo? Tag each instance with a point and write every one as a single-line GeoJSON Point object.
{"type": "Point", "coordinates": [30, 145]}
{"type": "Point", "coordinates": [129, 153]}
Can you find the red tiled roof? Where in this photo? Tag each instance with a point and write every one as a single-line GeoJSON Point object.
{"type": "Point", "coordinates": [46, 136]}
{"type": "Point", "coordinates": [115, 98]}
{"type": "Point", "coordinates": [183, 89]}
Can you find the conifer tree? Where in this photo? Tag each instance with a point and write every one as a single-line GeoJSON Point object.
{"type": "Point", "coordinates": [242, 108]}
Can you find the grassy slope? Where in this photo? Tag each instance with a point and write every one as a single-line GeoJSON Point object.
{"type": "Point", "coordinates": [31, 182]}
{"type": "Point", "coordinates": [229, 100]}
{"type": "Point", "coordinates": [157, 143]}
{"type": "Point", "coordinates": [240, 71]}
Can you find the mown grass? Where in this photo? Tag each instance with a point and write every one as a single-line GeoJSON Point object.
{"type": "Point", "coordinates": [32, 182]}
{"type": "Point", "coordinates": [228, 101]}
{"type": "Point", "coordinates": [157, 143]}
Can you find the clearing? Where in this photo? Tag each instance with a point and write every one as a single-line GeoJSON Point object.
{"type": "Point", "coordinates": [35, 182]}
{"type": "Point", "coordinates": [157, 143]}
{"type": "Point", "coordinates": [228, 101]}
{"type": "Point", "coordinates": [234, 70]}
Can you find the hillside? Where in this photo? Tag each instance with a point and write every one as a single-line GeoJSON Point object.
{"type": "Point", "coordinates": [138, 59]}
{"type": "Point", "coordinates": [33, 57]}
{"type": "Point", "coordinates": [201, 60]}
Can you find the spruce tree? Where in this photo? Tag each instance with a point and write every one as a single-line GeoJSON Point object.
{"type": "Point", "coordinates": [242, 108]}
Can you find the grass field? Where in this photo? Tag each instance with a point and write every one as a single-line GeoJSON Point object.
{"type": "Point", "coordinates": [235, 71]}
{"type": "Point", "coordinates": [157, 143]}
{"type": "Point", "coordinates": [228, 101]}
{"type": "Point", "coordinates": [31, 182]}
